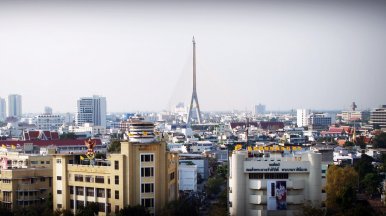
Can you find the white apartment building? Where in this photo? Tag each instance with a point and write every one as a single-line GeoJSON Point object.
{"type": "Point", "coordinates": [48, 122]}
{"type": "Point", "coordinates": [187, 177]}
{"type": "Point", "coordinates": [273, 184]}
{"type": "Point", "coordinates": [91, 110]}
{"type": "Point", "coordinates": [14, 105]}
{"type": "Point", "coordinates": [87, 128]}
{"type": "Point", "coordinates": [302, 117]}
{"type": "Point", "coordinates": [3, 110]}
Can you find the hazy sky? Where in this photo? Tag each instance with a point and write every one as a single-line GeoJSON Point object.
{"type": "Point", "coordinates": [320, 55]}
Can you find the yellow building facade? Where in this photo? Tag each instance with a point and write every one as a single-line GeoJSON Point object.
{"type": "Point", "coordinates": [142, 174]}
{"type": "Point", "coordinates": [25, 180]}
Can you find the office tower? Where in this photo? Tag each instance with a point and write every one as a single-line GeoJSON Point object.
{"type": "Point", "coordinates": [91, 110]}
{"type": "Point", "coordinates": [259, 109]}
{"type": "Point", "coordinates": [3, 110]}
{"type": "Point", "coordinates": [14, 105]}
{"type": "Point", "coordinates": [47, 110]}
{"type": "Point", "coordinates": [378, 117]}
{"type": "Point", "coordinates": [302, 117]}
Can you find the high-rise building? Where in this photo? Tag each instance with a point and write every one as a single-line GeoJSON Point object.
{"type": "Point", "coordinates": [259, 109]}
{"type": "Point", "coordinates": [14, 105]}
{"type": "Point", "coordinates": [91, 110]}
{"type": "Point", "coordinates": [378, 117]}
{"type": "Point", "coordinates": [143, 173]}
{"type": "Point", "coordinates": [302, 117]}
{"type": "Point", "coordinates": [47, 110]}
{"type": "Point", "coordinates": [3, 110]}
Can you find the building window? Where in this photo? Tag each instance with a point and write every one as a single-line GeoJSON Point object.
{"type": "Point", "coordinates": [256, 175]}
{"type": "Point", "coordinates": [116, 180]}
{"type": "Point", "coordinates": [147, 172]}
{"type": "Point", "coordinates": [147, 188]}
{"type": "Point", "coordinates": [99, 179]}
{"type": "Point", "coordinates": [71, 189]}
{"type": "Point", "coordinates": [90, 191]}
{"type": "Point", "coordinates": [58, 178]}
{"type": "Point", "coordinates": [108, 193]}
{"type": "Point", "coordinates": [79, 203]}
{"type": "Point", "coordinates": [71, 204]}
{"type": "Point", "coordinates": [276, 175]}
{"type": "Point", "coordinates": [88, 178]}
{"type": "Point", "coordinates": [116, 165]}
{"type": "Point", "coordinates": [116, 194]}
{"type": "Point", "coordinates": [101, 207]}
{"type": "Point", "coordinates": [58, 161]}
{"type": "Point", "coordinates": [172, 176]}
{"type": "Point", "coordinates": [116, 209]}
{"type": "Point", "coordinates": [79, 191]}
{"type": "Point", "coordinates": [59, 191]}
{"type": "Point", "coordinates": [42, 179]}
{"type": "Point", "coordinates": [108, 207]}
{"type": "Point", "coordinates": [148, 202]}
{"type": "Point", "coordinates": [147, 158]}
{"type": "Point", "coordinates": [101, 192]}
{"type": "Point", "coordinates": [78, 177]}
{"type": "Point", "coordinates": [59, 206]}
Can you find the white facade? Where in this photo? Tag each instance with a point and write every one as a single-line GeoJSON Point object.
{"type": "Point", "coordinates": [14, 105]}
{"type": "Point", "coordinates": [3, 110]}
{"type": "Point", "coordinates": [187, 177]}
{"type": "Point", "coordinates": [48, 122]}
{"type": "Point", "coordinates": [91, 110]}
{"type": "Point", "coordinates": [273, 185]}
{"type": "Point", "coordinates": [201, 146]}
{"type": "Point", "coordinates": [302, 117]}
{"type": "Point", "coordinates": [87, 128]}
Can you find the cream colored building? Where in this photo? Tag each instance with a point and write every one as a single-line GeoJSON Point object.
{"type": "Point", "coordinates": [142, 174]}
{"type": "Point", "coordinates": [24, 179]}
{"type": "Point", "coordinates": [272, 183]}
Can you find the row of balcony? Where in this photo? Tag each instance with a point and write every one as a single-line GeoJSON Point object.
{"type": "Point", "coordinates": [262, 199]}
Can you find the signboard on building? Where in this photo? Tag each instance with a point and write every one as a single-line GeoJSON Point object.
{"type": "Point", "coordinates": [276, 166]}
{"type": "Point", "coordinates": [276, 195]}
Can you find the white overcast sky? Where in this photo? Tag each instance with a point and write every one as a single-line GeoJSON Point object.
{"type": "Point", "coordinates": [285, 54]}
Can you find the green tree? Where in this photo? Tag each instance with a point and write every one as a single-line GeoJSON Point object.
{"type": "Point", "coordinates": [187, 206]}
{"type": "Point", "coordinates": [91, 209]}
{"type": "Point", "coordinates": [5, 211]}
{"type": "Point", "coordinates": [213, 185]}
{"type": "Point", "coordinates": [137, 210]}
{"type": "Point", "coordinates": [379, 141]}
{"type": "Point", "coordinates": [364, 166]}
{"type": "Point", "coordinates": [66, 136]}
{"type": "Point", "coordinates": [114, 147]}
{"type": "Point", "coordinates": [63, 212]}
{"type": "Point", "coordinates": [340, 188]}
{"type": "Point", "coordinates": [371, 182]}
{"type": "Point", "coordinates": [308, 210]}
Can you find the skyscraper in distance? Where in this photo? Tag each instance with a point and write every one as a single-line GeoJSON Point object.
{"type": "Point", "coordinates": [91, 110]}
{"type": "Point", "coordinates": [3, 110]}
{"type": "Point", "coordinates": [14, 105]}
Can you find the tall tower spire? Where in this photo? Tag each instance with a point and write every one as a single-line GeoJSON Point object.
{"type": "Point", "coordinates": [194, 94]}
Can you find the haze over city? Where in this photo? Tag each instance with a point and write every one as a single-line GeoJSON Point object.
{"type": "Point", "coordinates": [319, 55]}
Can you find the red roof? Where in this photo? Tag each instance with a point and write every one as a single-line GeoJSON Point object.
{"type": "Point", "coordinates": [43, 143]}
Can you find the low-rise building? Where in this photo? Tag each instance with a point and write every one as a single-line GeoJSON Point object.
{"type": "Point", "coordinates": [143, 173]}
{"type": "Point", "coordinates": [273, 184]}
{"type": "Point", "coordinates": [25, 179]}
{"type": "Point", "coordinates": [187, 177]}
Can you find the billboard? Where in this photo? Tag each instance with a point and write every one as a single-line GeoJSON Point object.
{"type": "Point", "coordinates": [276, 195]}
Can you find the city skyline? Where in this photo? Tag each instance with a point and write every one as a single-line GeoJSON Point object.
{"type": "Point", "coordinates": [319, 55]}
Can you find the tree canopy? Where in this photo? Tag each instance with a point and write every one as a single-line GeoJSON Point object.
{"type": "Point", "coordinates": [341, 185]}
